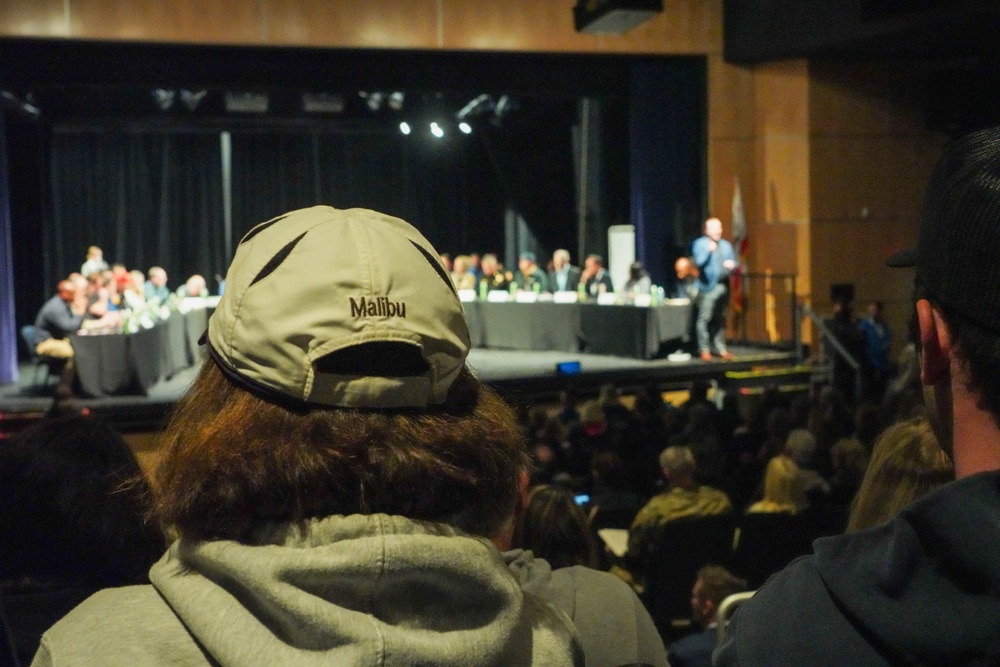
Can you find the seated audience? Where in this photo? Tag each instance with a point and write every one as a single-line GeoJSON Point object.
{"type": "Point", "coordinates": [682, 499]}
{"type": "Point", "coordinates": [553, 558]}
{"type": "Point", "coordinates": [906, 464]}
{"type": "Point", "coordinates": [784, 490]}
{"type": "Point", "coordinates": [71, 522]}
{"type": "Point", "coordinates": [713, 585]}
{"type": "Point", "coordinates": [800, 446]}
{"type": "Point", "coordinates": [773, 532]}
{"type": "Point", "coordinates": [340, 484]}
{"type": "Point", "coordinates": [554, 527]}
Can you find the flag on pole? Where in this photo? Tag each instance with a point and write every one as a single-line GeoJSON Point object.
{"type": "Point", "coordinates": [740, 244]}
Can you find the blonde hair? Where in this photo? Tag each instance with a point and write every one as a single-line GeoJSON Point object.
{"type": "Point", "coordinates": [906, 464]}
{"type": "Point", "coordinates": [783, 487]}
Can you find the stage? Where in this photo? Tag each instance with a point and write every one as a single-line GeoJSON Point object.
{"type": "Point", "coordinates": [519, 375]}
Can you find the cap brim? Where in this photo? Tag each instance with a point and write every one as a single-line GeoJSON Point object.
{"type": "Point", "coordinates": [905, 258]}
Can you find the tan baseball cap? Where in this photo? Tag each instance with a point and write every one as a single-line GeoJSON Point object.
{"type": "Point", "coordinates": [346, 308]}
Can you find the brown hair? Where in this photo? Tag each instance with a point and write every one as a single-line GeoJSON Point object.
{"type": "Point", "coordinates": [906, 464]}
{"type": "Point", "coordinates": [718, 583]}
{"type": "Point", "coordinates": [555, 528]}
{"type": "Point", "coordinates": [233, 461]}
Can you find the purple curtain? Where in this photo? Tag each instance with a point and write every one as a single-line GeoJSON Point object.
{"type": "Point", "coordinates": [8, 328]}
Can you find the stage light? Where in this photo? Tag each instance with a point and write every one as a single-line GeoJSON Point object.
{"type": "Point", "coordinates": [322, 103]}
{"type": "Point", "coordinates": [246, 102]}
{"type": "Point", "coordinates": [164, 98]}
{"type": "Point", "coordinates": [436, 130]}
{"type": "Point", "coordinates": [373, 100]}
{"type": "Point", "coordinates": [477, 105]}
{"type": "Point", "coordinates": [404, 127]}
{"type": "Point", "coordinates": [465, 127]}
{"type": "Point", "coordinates": [192, 98]}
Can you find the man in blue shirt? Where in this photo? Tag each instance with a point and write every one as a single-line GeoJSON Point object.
{"type": "Point", "coordinates": [715, 260]}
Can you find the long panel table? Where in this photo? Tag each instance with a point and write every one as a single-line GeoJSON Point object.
{"type": "Point", "coordinates": [623, 331]}
{"type": "Point", "coordinates": [109, 364]}
{"type": "Point", "coordinates": [115, 363]}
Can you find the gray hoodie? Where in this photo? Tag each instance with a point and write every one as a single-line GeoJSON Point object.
{"type": "Point", "coordinates": [358, 590]}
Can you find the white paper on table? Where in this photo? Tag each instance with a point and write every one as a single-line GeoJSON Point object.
{"type": "Point", "coordinates": [565, 297]}
{"type": "Point", "coordinates": [497, 296]}
{"type": "Point", "coordinates": [643, 300]}
{"type": "Point", "coordinates": [467, 295]}
{"type": "Point", "coordinates": [607, 299]}
{"type": "Point", "coordinates": [524, 296]}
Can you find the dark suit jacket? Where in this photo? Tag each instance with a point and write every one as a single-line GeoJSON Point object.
{"type": "Point", "coordinates": [604, 279]}
{"type": "Point", "coordinates": [572, 279]}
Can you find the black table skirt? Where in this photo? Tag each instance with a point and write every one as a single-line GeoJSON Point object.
{"type": "Point", "coordinates": [115, 364]}
{"type": "Point", "coordinates": [624, 331]}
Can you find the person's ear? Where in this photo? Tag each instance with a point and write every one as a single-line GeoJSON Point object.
{"type": "Point", "coordinates": [523, 482]}
{"type": "Point", "coordinates": [935, 342]}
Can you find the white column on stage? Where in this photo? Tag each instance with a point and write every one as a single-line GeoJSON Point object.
{"type": "Point", "coordinates": [621, 253]}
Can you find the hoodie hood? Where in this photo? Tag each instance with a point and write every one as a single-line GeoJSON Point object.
{"type": "Point", "coordinates": [926, 585]}
{"type": "Point", "coordinates": [359, 590]}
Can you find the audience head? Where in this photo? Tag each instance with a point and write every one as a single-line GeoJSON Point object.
{"type": "Point", "coordinates": [94, 252]}
{"type": "Point", "coordinates": [783, 486]}
{"type": "Point", "coordinates": [678, 465]}
{"type": "Point", "coordinates": [906, 464]}
{"type": "Point", "coordinates": [849, 458]}
{"type": "Point", "coordinates": [712, 586]}
{"type": "Point", "coordinates": [321, 398]}
{"type": "Point", "coordinates": [461, 265]}
{"type": "Point", "coordinates": [73, 506]}
{"type": "Point", "coordinates": [554, 527]}
{"type": "Point", "coordinates": [800, 447]}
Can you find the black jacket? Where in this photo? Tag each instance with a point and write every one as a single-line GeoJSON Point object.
{"type": "Point", "coordinates": [922, 589]}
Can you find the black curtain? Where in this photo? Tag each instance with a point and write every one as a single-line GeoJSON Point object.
{"type": "Point", "coordinates": [146, 197]}
{"type": "Point", "coordinates": [667, 146]}
{"type": "Point", "coordinates": [273, 173]}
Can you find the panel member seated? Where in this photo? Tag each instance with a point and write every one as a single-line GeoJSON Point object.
{"type": "Point", "coordinates": [595, 277]}
{"type": "Point", "coordinates": [564, 277]}
{"type": "Point", "coordinates": [529, 276]}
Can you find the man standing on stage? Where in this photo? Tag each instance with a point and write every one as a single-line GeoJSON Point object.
{"type": "Point", "coordinates": [715, 259]}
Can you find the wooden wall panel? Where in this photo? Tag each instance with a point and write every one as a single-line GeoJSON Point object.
{"type": "Point", "coordinates": [347, 23]}
{"type": "Point", "coordinates": [730, 99]}
{"type": "Point", "coordinates": [39, 18]}
{"type": "Point", "coordinates": [197, 21]}
{"type": "Point", "coordinates": [514, 25]}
